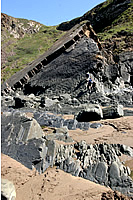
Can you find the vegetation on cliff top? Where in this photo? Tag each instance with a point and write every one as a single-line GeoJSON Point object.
{"type": "Point", "coordinates": [123, 22]}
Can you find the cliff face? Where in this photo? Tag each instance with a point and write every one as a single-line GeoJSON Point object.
{"type": "Point", "coordinates": [62, 68]}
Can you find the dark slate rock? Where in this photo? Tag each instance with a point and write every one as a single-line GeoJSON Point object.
{"type": "Point", "coordinates": [114, 171]}
{"type": "Point", "coordinates": [91, 112]}
{"type": "Point", "coordinates": [95, 125]}
{"type": "Point", "coordinates": [17, 127]}
{"type": "Point", "coordinates": [71, 166]}
{"type": "Point", "coordinates": [83, 125]}
{"type": "Point", "coordinates": [128, 112]}
{"type": "Point", "coordinates": [113, 111]}
{"type": "Point", "coordinates": [31, 155]}
{"type": "Point", "coordinates": [70, 123]}
{"type": "Point", "coordinates": [101, 172]}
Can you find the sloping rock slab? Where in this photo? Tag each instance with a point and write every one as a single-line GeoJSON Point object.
{"type": "Point", "coordinates": [22, 140]}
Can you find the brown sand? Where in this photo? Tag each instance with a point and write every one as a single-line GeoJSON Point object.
{"type": "Point", "coordinates": [52, 185]}
{"type": "Point", "coordinates": [113, 131]}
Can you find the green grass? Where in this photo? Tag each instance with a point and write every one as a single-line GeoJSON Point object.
{"type": "Point", "coordinates": [27, 49]}
{"type": "Point", "coordinates": [123, 22]}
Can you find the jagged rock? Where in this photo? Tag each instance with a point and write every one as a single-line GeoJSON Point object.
{"type": "Point", "coordinates": [18, 127]}
{"type": "Point", "coordinates": [90, 113]}
{"type": "Point", "coordinates": [101, 164]}
{"type": "Point", "coordinates": [113, 111]}
{"type": "Point", "coordinates": [70, 123]}
{"type": "Point", "coordinates": [126, 150]}
{"type": "Point", "coordinates": [7, 190]}
{"type": "Point", "coordinates": [60, 134]}
{"type": "Point", "coordinates": [71, 166]}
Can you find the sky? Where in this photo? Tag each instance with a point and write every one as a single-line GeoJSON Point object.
{"type": "Point", "coordinates": [48, 12]}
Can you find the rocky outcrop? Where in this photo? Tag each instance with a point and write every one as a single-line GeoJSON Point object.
{"type": "Point", "coordinates": [18, 27]}
{"type": "Point", "coordinates": [100, 163]}
{"type": "Point", "coordinates": [65, 44]}
{"type": "Point", "coordinates": [24, 140]}
{"type": "Point", "coordinates": [18, 127]}
{"type": "Point", "coordinates": [63, 70]}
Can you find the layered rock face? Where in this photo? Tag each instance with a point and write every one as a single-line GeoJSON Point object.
{"type": "Point", "coordinates": [63, 70]}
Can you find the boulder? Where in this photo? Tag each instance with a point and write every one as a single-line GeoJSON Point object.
{"type": "Point", "coordinates": [21, 139]}
{"type": "Point", "coordinates": [83, 125]}
{"type": "Point", "coordinates": [95, 125]}
{"type": "Point", "coordinates": [113, 111]}
{"type": "Point", "coordinates": [70, 123]}
{"type": "Point", "coordinates": [47, 102]}
{"type": "Point", "coordinates": [7, 190]}
{"type": "Point", "coordinates": [18, 127]}
{"type": "Point", "coordinates": [114, 171]}
{"type": "Point", "coordinates": [60, 134]}
{"type": "Point", "coordinates": [91, 112]}
{"type": "Point", "coordinates": [101, 172]}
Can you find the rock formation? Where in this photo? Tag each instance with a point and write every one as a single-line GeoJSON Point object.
{"type": "Point", "coordinates": [56, 82]}
{"type": "Point", "coordinates": [66, 65]}
{"type": "Point", "coordinates": [99, 163]}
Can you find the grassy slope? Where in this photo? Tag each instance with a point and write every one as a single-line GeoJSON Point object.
{"type": "Point", "coordinates": [23, 51]}
{"type": "Point", "coordinates": [123, 22]}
